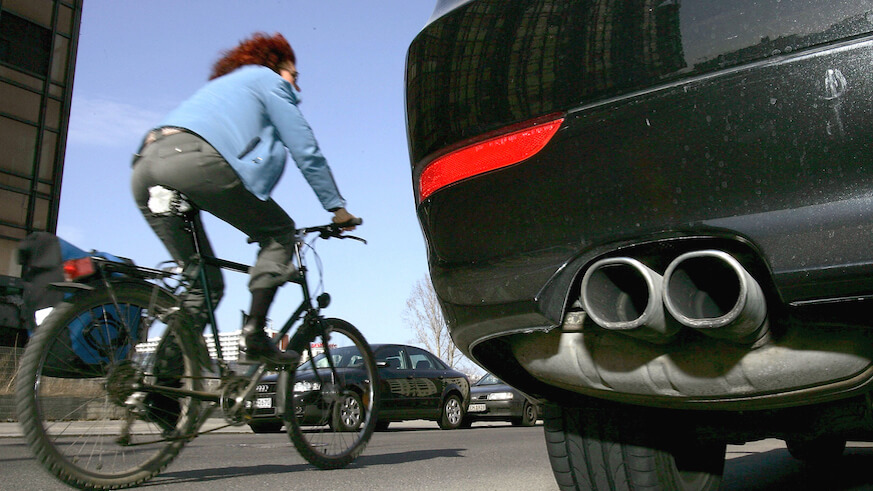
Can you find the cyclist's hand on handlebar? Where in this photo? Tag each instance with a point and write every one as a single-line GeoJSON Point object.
{"type": "Point", "coordinates": [345, 220]}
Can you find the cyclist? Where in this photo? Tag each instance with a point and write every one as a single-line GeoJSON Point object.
{"type": "Point", "coordinates": [224, 149]}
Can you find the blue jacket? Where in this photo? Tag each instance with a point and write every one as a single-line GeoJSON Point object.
{"type": "Point", "coordinates": [251, 116]}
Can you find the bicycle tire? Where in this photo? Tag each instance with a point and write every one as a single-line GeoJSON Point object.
{"type": "Point", "coordinates": [330, 422]}
{"type": "Point", "coordinates": [75, 415]}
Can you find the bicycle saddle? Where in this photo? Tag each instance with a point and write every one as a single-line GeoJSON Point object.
{"type": "Point", "coordinates": [165, 201]}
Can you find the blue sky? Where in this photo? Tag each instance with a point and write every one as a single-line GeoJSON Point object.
{"type": "Point", "coordinates": [138, 60]}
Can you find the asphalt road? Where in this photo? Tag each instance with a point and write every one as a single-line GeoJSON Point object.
{"type": "Point", "coordinates": [412, 456]}
{"type": "Point", "coordinates": [419, 456]}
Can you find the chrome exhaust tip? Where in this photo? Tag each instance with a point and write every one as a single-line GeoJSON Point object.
{"type": "Point", "coordinates": [623, 294]}
{"type": "Point", "coordinates": [710, 291]}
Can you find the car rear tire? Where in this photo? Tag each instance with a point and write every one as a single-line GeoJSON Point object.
{"type": "Point", "coordinates": [595, 449]}
{"type": "Point", "coordinates": [528, 415]}
{"type": "Point", "coordinates": [266, 426]}
{"type": "Point", "coordinates": [452, 414]}
{"type": "Point", "coordinates": [817, 450]}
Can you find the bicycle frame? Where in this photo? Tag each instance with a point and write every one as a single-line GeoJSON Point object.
{"type": "Point", "coordinates": [305, 308]}
{"type": "Point", "coordinates": [306, 311]}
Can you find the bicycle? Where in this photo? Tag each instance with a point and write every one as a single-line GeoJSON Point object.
{"type": "Point", "coordinates": [115, 382]}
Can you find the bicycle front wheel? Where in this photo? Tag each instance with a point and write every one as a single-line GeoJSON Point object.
{"type": "Point", "coordinates": [77, 386]}
{"type": "Point", "coordinates": [333, 397]}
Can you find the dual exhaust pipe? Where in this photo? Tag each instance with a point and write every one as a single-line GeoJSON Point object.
{"type": "Point", "coordinates": [709, 291]}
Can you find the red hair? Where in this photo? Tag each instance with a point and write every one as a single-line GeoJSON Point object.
{"type": "Point", "coordinates": [259, 49]}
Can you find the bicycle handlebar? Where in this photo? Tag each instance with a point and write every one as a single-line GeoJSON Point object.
{"type": "Point", "coordinates": [333, 230]}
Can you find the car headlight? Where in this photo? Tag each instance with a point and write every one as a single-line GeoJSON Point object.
{"type": "Point", "coordinates": [305, 386]}
{"type": "Point", "coordinates": [499, 396]}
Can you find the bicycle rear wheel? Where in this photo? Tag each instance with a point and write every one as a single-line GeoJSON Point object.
{"type": "Point", "coordinates": [332, 401]}
{"type": "Point", "coordinates": [77, 376]}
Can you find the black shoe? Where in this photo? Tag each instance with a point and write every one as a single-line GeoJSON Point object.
{"type": "Point", "coordinates": [258, 347]}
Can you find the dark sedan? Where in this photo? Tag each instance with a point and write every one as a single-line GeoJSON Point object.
{"type": "Point", "coordinates": [414, 384]}
{"type": "Point", "coordinates": [492, 400]}
{"type": "Point", "coordinates": [656, 216]}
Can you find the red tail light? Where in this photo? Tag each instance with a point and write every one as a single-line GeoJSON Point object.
{"type": "Point", "coordinates": [494, 153]}
{"type": "Point", "coordinates": [78, 268]}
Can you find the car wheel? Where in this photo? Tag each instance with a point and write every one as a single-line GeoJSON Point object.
{"type": "Point", "coordinates": [596, 449]}
{"type": "Point", "coordinates": [266, 426]}
{"type": "Point", "coordinates": [348, 413]}
{"type": "Point", "coordinates": [453, 414]}
{"type": "Point", "coordinates": [817, 450]}
{"type": "Point", "coordinates": [528, 415]}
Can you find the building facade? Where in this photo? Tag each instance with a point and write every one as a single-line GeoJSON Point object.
{"type": "Point", "coordinates": [38, 43]}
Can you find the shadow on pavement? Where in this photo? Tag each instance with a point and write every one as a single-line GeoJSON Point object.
{"type": "Point", "coordinates": [403, 457]}
{"type": "Point", "coordinates": [777, 469]}
{"type": "Point", "coordinates": [219, 473]}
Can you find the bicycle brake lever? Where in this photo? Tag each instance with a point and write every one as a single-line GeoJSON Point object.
{"type": "Point", "coordinates": [359, 239]}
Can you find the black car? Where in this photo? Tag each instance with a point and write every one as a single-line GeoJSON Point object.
{"type": "Point", "coordinates": [492, 400]}
{"type": "Point", "coordinates": [414, 384]}
{"type": "Point", "coordinates": [655, 216]}
{"type": "Point", "coordinates": [265, 408]}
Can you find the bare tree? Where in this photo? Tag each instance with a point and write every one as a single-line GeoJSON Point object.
{"type": "Point", "coordinates": [424, 317]}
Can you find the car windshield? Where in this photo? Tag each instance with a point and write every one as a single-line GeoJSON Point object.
{"type": "Point", "coordinates": [342, 358]}
{"type": "Point", "coordinates": [489, 380]}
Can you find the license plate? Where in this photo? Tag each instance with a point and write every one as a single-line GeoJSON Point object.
{"type": "Point", "coordinates": [264, 403]}
{"type": "Point", "coordinates": [476, 408]}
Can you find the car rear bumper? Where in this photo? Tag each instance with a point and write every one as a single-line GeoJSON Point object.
{"type": "Point", "coordinates": [769, 160]}
{"type": "Point", "coordinates": [718, 156]}
{"type": "Point", "coordinates": [799, 199]}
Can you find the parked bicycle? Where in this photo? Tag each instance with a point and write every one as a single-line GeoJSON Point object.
{"type": "Point", "coordinates": [115, 382]}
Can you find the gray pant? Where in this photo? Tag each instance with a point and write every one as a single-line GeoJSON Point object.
{"type": "Point", "coordinates": [186, 163]}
